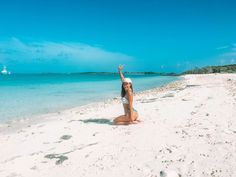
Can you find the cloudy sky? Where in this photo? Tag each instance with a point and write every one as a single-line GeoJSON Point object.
{"type": "Point", "coordinates": [97, 35]}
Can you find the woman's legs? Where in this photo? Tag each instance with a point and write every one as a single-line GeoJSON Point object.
{"type": "Point", "coordinates": [135, 115]}
{"type": "Point", "coordinates": [122, 120]}
{"type": "Point", "coordinates": [125, 119]}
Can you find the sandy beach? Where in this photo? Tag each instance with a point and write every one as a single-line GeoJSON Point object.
{"type": "Point", "coordinates": [187, 127]}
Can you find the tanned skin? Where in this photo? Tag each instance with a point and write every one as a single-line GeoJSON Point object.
{"type": "Point", "coordinates": [130, 116]}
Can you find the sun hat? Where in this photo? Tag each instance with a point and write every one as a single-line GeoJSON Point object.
{"type": "Point", "coordinates": [128, 80]}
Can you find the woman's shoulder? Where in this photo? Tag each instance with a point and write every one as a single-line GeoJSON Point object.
{"type": "Point", "coordinates": [129, 91]}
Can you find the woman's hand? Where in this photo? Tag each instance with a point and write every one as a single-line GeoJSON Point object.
{"type": "Point", "coordinates": [120, 67]}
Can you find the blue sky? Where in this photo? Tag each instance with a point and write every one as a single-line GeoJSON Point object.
{"type": "Point", "coordinates": [97, 35]}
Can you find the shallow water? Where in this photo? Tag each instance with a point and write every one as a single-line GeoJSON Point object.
{"type": "Point", "coordinates": [23, 95]}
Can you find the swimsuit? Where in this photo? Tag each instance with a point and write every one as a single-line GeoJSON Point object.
{"type": "Point", "coordinates": [126, 101]}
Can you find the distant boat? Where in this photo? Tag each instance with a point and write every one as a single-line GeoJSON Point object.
{"type": "Point", "coordinates": [4, 71]}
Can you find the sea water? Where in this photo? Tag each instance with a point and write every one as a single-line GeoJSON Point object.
{"type": "Point", "coordinates": [24, 95]}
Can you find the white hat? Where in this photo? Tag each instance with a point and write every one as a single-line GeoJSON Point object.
{"type": "Point", "coordinates": [127, 80]}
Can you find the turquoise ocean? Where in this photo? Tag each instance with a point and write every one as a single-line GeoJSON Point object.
{"type": "Point", "coordinates": [24, 95]}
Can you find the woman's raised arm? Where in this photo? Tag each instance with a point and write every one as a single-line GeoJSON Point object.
{"type": "Point", "coordinates": [120, 67]}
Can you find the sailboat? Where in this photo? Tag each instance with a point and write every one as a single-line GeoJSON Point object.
{"type": "Point", "coordinates": [4, 71]}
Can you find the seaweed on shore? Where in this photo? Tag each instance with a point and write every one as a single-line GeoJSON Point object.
{"type": "Point", "coordinates": [66, 137]}
{"type": "Point", "coordinates": [61, 158]}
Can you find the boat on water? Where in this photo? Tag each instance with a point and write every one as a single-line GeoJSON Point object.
{"type": "Point", "coordinates": [4, 71]}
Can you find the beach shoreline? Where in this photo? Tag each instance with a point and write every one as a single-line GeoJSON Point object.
{"type": "Point", "coordinates": [35, 94]}
{"type": "Point", "coordinates": [23, 122]}
{"type": "Point", "coordinates": [187, 127]}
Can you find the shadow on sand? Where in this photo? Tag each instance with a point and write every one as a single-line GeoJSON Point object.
{"type": "Point", "coordinates": [97, 121]}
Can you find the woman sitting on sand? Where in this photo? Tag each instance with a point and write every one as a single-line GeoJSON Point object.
{"type": "Point", "coordinates": [131, 114]}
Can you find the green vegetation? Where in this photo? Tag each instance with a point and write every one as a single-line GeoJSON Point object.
{"type": "Point", "coordinates": [204, 70]}
{"type": "Point", "coordinates": [213, 69]}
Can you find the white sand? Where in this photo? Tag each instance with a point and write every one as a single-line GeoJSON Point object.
{"type": "Point", "coordinates": [188, 127]}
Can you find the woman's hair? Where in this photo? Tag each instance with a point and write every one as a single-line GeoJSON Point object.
{"type": "Point", "coordinates": [123, 90]}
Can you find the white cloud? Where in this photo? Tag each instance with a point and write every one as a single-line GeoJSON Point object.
{"type": "Point", "coordinates": [223, 61]}
{"type": "Point", "coordinates": [67, 53]}
{"type": "Point", "coordinates": [178, 65]}
{"type": "Point", "coordinates": [222, 47]}
{"type": "Point", "coordinates": [162, 66]}
{"type": "Point", "coordinates": [231, 52]}
{"type": "Point", "coordinates": [228, 57]}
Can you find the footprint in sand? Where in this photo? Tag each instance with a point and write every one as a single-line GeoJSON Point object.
{"type": "Point", "coordinates": [64, 137]}
{"type": "Point", "coordinates": [169, 174]}
{"type": "Point", "coordinates": [185, 99]}
{"type": "Point", "coordinates": [168, 95]}
{"type": "Point", "coordinates": [148, 100]}
{"type": "Point", "coordinates": [204, 155]}
{"type": "Point", "coordinates": [14, 175]}
{"type": "Point", "coordinates": [42, 125]}
{"type": "Point", "coordinates": [34, 168]}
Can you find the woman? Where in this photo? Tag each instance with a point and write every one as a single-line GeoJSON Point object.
{"type": "Point", "coordinates": [131, 114]}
